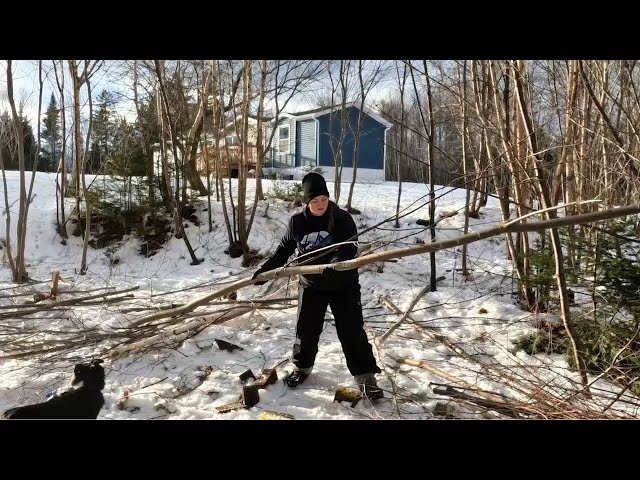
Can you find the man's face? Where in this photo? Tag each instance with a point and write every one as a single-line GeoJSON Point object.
{"type": "Point", "coordinates": [318, 205]}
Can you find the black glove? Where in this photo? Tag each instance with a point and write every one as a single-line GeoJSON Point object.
{"type": "Point", "coordinates": [258, 272]}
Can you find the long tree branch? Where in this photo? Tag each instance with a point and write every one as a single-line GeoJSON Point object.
{"type": "Point", "coordinates": [399, 253]}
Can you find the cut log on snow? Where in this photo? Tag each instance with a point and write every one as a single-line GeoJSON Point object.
{"type": "Point", "coordinates": [55, 277]}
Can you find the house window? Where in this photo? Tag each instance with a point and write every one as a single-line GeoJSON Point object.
{"type": "Point", "coordinates": [283, 140]}
{"type": "Point", "coordinates": [231, 140]}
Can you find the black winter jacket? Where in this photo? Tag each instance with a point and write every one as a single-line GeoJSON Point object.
{"type": "Point", "coordinates": [308, 233]}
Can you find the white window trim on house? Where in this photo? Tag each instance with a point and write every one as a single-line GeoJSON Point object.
{"type": "Point", "coordinates": [232, 139]}
{"type": "Point", "coordinates": [281, 139]}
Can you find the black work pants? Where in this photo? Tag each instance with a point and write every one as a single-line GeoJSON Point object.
{"type": "Point", "coordinates": [347, 313]}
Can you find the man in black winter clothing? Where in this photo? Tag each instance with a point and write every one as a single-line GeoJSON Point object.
{"type": "Point", "coordinates": [321, 224]}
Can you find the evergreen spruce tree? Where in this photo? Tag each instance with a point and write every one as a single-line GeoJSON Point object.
{"type": "Point", "coordinates": [51, 137]}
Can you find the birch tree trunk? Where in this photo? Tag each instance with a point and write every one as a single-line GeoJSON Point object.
{"type": "Point", "coordinates": [20, 273]}
{"type": "Point", "coordinates": [85, 190]}
{"type": "Point", "coordinates": [400, 152]}
{"type": "Point", "coordinates": [61, 172]}
{"type": "Point", "coordinates": [243, 232]}
{"type": "Point", "coordinates": [260, 150]}
{"type": "Point", "coordinates": [545, 197]}
{"type": "Point", "coordinates": [5, 137]}
{"type": "Point", "coordinates": [521, 247]}
{"type": "Point", "coordinates": [218, 125]}
{"type": "Point", "coordinates": [204, 148]}
{"type": "Point", "coordinates": [80, 153]}
{"type": "Point", "coordinates": [344, 125]}
{"type": "Point", "coordinates": [432, 194]}
{"type": "Point", "coordinates": [465, 166]}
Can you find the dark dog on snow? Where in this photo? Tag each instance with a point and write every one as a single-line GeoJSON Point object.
{"type": "Point", "coordinates": [85, 401]}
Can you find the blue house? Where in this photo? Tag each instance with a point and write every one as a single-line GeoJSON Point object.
{"type": "Point", "coordinates": [313, 139]}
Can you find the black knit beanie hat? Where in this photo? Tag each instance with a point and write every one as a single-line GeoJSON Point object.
{"type": "Point", "coordinates": [313, 185]}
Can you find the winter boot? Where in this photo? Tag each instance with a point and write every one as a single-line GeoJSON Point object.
{"type": "Point", "coordinates": [296, 377]}
{"type": "Point", "coordinates": [368, 386]}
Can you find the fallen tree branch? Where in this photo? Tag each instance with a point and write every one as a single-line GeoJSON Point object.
{"type": "Point", "coordinates": [500, 407]}
{"type": "Point", "coordinates": [429, 331]}
{"type": "Point", "coordinates": [541, 395]}
{"type": "Point", "coordinates": [398, 253]}
{"type": "Point", "coordinates": [70, 301]}
{"type": "Point", "coordinates": [176, 335]}
{"type": "Point", "coordinates": [65, 292]}
{"type": "Point", "coordinates": [501, 228]}
{"type": "Point", "coordinates": [442, 374]}
{"type": "Point", "coordinates": [380, 339]}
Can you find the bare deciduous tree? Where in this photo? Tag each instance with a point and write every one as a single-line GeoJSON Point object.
{"type": "Point", "coordinates": [80, 153]}
{"type": "Point", "coordinates": [366, 84]}
{"type": "Point", "coordinates": [166, 124]}
{"type": "Point", "coordinates": [61, 171]}
{"type": "Point", "coordinates": [401, 132]}
{"type": "Point", "coordinates": [18, 264]}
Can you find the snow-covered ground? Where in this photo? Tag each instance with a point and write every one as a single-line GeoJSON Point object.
{"type": "Point", "coordinates": [479, 315]}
